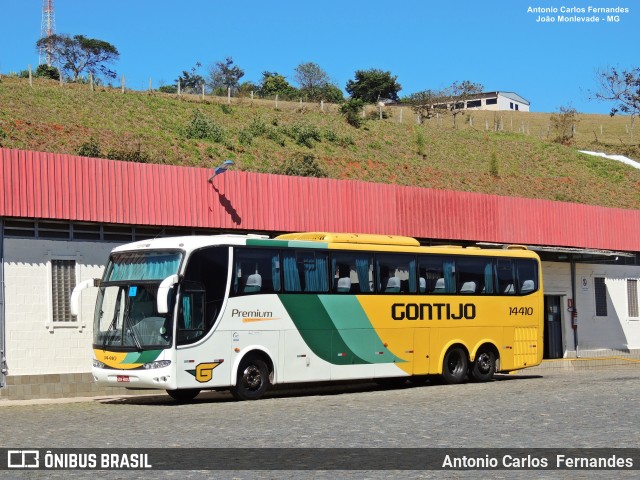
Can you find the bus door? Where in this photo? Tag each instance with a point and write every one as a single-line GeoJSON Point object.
{"type": "Point", "coordinates": [203, 359]}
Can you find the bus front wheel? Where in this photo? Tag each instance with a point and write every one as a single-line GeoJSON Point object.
{"type": "Point", "coordinates": [483, 367]}
{"type": "Point", "coordinates": [455, 365]}
{"type": "Point", "coordinates": [253, 379]}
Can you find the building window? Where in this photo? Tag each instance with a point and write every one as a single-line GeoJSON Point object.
{"type": "Point", "coordinates": [632, 297]}
{"type": "Point", "coordinates": [491, 101]}
{"type": "Point", "coordinates": [511, 105]}
{"type": "Point", "coordinates": [516, 106]}
{"type": "Point", "coordinates": [601, 297]}
{"type": "Point", "coordinates": [63, 280]}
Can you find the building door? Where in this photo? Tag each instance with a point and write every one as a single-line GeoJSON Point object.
{"type": "Point", "coordinates": [553, 327]}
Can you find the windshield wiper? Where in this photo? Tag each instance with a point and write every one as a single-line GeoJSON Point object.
{"type": "Point", "coordinates": [112, 325]}
{"type": "Point", "coordinates": [129, 327]}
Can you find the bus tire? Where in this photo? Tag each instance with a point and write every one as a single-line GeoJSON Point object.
{"type": "Point", "coordinates": [484, 366]}
{"type": "Point", "coordinates": [253, 379]}
{"type": "Point", "coordinates": [455, 365]}
{"type": "Point", "coordinates": [184, 395]}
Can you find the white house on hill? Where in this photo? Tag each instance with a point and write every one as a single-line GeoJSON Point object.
{"type": "Point", "coordinates": [498, 101]}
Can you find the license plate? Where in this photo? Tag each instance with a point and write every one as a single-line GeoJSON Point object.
{"type": "Point", "coordinates": [122, 378]}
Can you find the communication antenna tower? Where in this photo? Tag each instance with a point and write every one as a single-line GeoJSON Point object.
{"type": "Point", "coordinates": [47, 28]}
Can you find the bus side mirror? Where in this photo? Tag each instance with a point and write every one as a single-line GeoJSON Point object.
{"type": "Point", "coordinates": [163, 293]}
{"type": "Point", "coordinates": [75, 295]}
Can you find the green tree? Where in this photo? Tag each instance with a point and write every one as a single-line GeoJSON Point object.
{"type": "Point", "coordinates": [372, 85]}
{"type": "Point", "coordinates": [275, 84]}
{"type": "Point", "coordinates": [352, 111]}
{"type": "Point", "coordinates": [458, 94]}
{"type": "Point", "coordinates": [191, 82]}
{"type": "Point", "coordinates": [332, 94]}
{"type": "Point", "coordinates": [563, 123]}
{"type": "Point", "coordinates": [225, 75]}
{"type": "Point", "coordinates": [621, 87]}
{"type": "Point", "coordinates": [313, 82]}
{"type": "Point", "coordinates": [47, 71]}
{"type": "Point", "coordinates": [80, 54]}
{"type": "Point", "coordinates": [424, 103]}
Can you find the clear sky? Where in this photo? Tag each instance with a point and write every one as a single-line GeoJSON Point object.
{"type": "Point", "coordinates": [426, 43]}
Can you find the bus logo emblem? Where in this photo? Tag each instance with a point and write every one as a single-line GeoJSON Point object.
{"type": "Point", "coordinates": [204, 371]}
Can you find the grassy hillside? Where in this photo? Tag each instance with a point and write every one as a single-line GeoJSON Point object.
{"type": "Point", "coordinates": [519, 160]}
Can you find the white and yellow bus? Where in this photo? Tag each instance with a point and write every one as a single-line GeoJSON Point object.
{"type": "Point", "coordinates": [243, 312]}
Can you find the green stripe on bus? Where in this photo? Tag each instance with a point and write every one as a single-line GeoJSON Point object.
{"type": "Point", "coordinates": [355, 328]}
{"type": "Point", "coordinates": [141, 357]}
{"type": "Point", "coordinates": [318, 330]}
{"type": "Point", "coordinates": [258, 242]}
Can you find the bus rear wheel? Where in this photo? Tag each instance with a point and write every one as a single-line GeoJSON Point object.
{"type": "Point", "coordinates": [253, 379]}
{"type": "Point", "coordinates": [455, 365]}
{"type": "Point", "coordinates": [484, 366]}
{"type": "Point", "coordinates": [184, 395]}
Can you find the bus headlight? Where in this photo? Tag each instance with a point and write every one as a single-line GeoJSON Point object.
{"type": "Point", "coordinates": [98, 364]}
{"type": "Point", "coordinates": [157, 364]}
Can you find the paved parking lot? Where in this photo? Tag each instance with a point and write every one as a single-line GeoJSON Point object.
{"type": "Point", "coordinates": [595, 407]}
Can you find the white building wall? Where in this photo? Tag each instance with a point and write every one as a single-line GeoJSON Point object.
{"type": "Point", "coordinates": [616, 331]}
{"type": "Point", "coordinates": [504, 103]}
{"type": "Point", "coordinates": [34, 345]}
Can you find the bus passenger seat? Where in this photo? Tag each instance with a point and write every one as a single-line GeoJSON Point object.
{"type": "Point", "coordinates": [468, 287]}
{"type": "Point", "coordinates": [439, 288]}
{"type": "Point", "coordinates": [393, 285]}
{"type": "Point", "coordinates": [254, 283]}
{"type": "Point", "coordinates": [423, 284]}
{"type": "Point", "coordinates": [509, 289]}
{"type": "Point", "coordinates": [527, 286]}
{"type": "Point", "coordinates": [344, 285]}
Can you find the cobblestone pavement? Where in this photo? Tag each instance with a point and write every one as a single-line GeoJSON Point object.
{"type": "Point", "coordinates": [583, 408]}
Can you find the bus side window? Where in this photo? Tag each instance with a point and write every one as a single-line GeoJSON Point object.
{"type": "Point", "coordinates": [431, 274]}
{"type": "Point", "coordinates": [342, 279]}
{"type": "Point", "coordinates": [353, 270]}
{"type": "Point", "coordinates": [256, 270]}
{"type": "Point", "coordinates": [505, 275]}
{"type": "Point", "coordinates": [475, 275]}
{"type": "Point", "coordinates": [527, 276]}
{"type": "Point", "coordinates": [396, 273]}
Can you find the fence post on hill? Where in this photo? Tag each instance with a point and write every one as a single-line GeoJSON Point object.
{"type": "Point", "coordinates": [122, 84]}
{"type": "Point", "coordinates": [251, 97]}
{"type": "Point", "coordinates": [276, 101]}
{"type": "Point", "coordinates": [228, 95]}
{"type": "Point", "coordinates": [30, 77]}
{"type": "Point", "coordinates": [400, 119]}
{"type": "Point", "coordinates": [60, 75]}
{"type": "Point", "coordinates": [322, 105]}
{"type": "Point", "coordinates": [486, 124]}
{"type": "Point", "coordinates": [91, 82]}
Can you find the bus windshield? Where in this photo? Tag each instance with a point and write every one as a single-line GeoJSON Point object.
{"type": "Point", "coordinates": [126, 314]}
